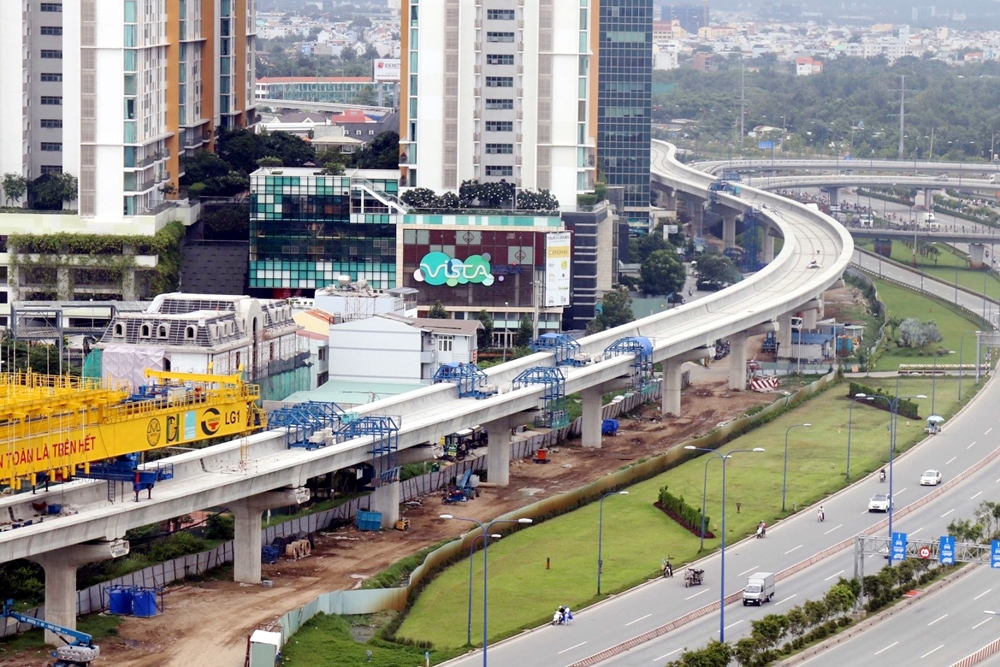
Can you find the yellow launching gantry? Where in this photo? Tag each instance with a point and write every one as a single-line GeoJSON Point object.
{"type": "Point", "coordinates": [53, 428]}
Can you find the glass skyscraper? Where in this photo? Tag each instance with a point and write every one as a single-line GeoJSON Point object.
{"type": "Point", "coordinates": [625, 103]}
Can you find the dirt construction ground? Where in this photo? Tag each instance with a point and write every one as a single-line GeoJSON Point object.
{"type": "Point", "coordinates": [206, 624]}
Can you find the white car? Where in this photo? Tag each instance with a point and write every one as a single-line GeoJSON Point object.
{"type": "Point", "coordinates": [879, 503]}
{"type": "Point", "coordinates": [930, 478]}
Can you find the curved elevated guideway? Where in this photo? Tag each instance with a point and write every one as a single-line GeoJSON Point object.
{"type": "Point", "coordinates": [861, 164]}
{"type": "Point", "coordinates": [231, 473]}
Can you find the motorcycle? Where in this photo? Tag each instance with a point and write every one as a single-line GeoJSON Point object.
{"type": "Point", "coordinates": [761, 531]}
{"type": "Point", "coordinates": [562, 616]}
{"type": "Point", "coordinates": [821, 517]}
{"type": "Point", "coordinates": [667, 568]}
{"type": "Point", "coordinates": [881, 476]}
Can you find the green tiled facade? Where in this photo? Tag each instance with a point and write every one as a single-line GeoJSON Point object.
{"type": "Point", "coordinates": [307, 229]}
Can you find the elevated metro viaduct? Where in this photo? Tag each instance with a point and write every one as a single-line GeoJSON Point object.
{"type": "Point", "coordinates": [261, 472]}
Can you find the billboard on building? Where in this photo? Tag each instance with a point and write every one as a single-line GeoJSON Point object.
{"type": "Point", "coordinates": [557, 245]}
{"type": "Point", "coordinates": [386, 69]}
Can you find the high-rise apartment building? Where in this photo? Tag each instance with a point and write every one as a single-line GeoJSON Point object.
{"type": "Point", "coordinates": [115, 91]}
{"type": "Point", "coordinates": [625, 102]}
{"type": "Point", "coordinates": [500, 90]}
{"type": "Point", "coordinates": [690, 16]}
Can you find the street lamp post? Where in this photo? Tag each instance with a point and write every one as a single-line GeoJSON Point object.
{"type": "Point", "coordinates": [704, 494]}
{"type": "Point", "coordinates": [505, 315]}
{"type": "Point", "coordinates": [600, 534]}
{"type": "Point", "coordinates": [961, 364]}
{"type": "Point", "coordinates": [850, 418]}
{"type": "Point", "coordinates": [472, 550]}
{"type": "Point", "coordinates": [784, 474]}
{"type": "Point", "coordinates": [722, 575]}
{"type": "Point", "coordinates": [486, 544]}
{"type": "Point", "coordinates": [893, 405]}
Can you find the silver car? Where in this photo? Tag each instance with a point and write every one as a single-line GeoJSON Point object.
{"type": "Point", "coordinates": [879, 503]}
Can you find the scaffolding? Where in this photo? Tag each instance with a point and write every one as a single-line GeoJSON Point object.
{"type": "Point", "coordinates": [309, 425]}
{"type": "Point", "coordinates": [751, 241]}
{"type": "Point", "coordinates": [554, 413]}
{"type": "Point", "coordinates": [641, 348]}
{"type": "Point", "coordinates": [468, 378]}
{"type": "Point", "coordinates": [384, 432]}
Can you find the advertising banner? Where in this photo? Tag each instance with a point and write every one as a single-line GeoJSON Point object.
{"type": "Point", "coordinates": [386, 69]}
{"type": "Point", "coordinates": [557, 252]}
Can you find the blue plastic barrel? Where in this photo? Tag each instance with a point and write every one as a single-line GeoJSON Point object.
{"type": "Point", "coordinates": [144, 603]}
{"type": "Point", "coordinates": [120, 601]}
{"type": "Point", "coordinates": [55, 509]}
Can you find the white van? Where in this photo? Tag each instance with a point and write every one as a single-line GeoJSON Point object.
{"type": "Point", "coordinates": [993, 178]}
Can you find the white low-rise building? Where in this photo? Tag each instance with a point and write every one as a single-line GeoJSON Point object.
{"type": "Point", "coordinates": [194, 333]}
{"type": "Point", "coordinates": [392, 348]}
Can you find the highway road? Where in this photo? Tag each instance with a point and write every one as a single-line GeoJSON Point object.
{"type": "Point", "coordinates": [965, 441]}
{"type": "Point", "coordinates": [939, 629]}
{"type": "Point", "coordinates": [927, 522]}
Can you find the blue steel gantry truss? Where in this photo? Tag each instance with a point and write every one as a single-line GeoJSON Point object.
{"type": "Point", "coordinates": [642, 365]}
{"type": "Point", "coordinates": [384, 432]}
{"type": "Point", "coordinates": [468, 378]}
{"type": "Point", "coordinates": [562, 346]}
{"type": "Point", "coordinates": [554, 413]}
{"type": "Point", "coordinates": [305, 422]}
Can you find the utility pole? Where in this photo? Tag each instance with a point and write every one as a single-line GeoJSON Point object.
{"type": "Point", "coordinates": [930, 155]}
{"type": "Point", "coordinates": [902, 111]}
{"type": "Point", "coordinates": [742, 104]}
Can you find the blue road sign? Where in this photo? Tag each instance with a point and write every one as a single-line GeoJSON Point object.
{"type": "Point", "coordinates": [766, 145]}
{"type": "Point", "coordinates": [898, 547]}
{"type": "Point", "coordinates": [995, 554]}
{"type": "Point", "coordinates": [946, 550]}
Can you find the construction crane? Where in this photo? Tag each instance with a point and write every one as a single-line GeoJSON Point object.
{"type": "Point", "coordinates": [54, 428]}
{"type": "Point", "coordinates": [80, 649]}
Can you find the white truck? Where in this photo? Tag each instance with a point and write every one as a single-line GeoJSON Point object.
{"type": "Point", "coordinates": [759, 588]}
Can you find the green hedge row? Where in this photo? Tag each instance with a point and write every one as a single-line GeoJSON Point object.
{"type": "Point", "coordinates": [906, 408]}
{"type": "Point", "coordinates": [691, 516]}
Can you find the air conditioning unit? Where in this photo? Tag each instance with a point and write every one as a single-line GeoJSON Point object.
{"type": "Point", "coordinates": [475, 113]}
{"type": "Point", "coordinates": [520, 138]}
{"type": "Point", "coordinates": [520, 92]}
{"type": "Point", "coordinates": [475, 137]}
{"type": "Point", "coordinates": [479, 69]}
{"type": "Point", "coordinates": [520, 69]}
{"type": "Point", "coordinates": [517, 160]}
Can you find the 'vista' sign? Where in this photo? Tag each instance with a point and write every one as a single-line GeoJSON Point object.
{"type": "Point", "coordinates": [437, 268]}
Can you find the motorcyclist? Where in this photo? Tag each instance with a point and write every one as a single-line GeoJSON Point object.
{"type": "Point", "coordinates": [668, 568]}
{"type": "Point", "coordinates": [822, 513]}
{"type": "Point", "coordinates": [881, 475]}
{"type": "Point", "coordinates": [761, 529]}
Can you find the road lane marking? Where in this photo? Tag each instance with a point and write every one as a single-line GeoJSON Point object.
{"type": "Point", "coordinates": [697, 594]}
{"type": "Point", "coordinates": [572, 647]}
{"type": "Point", "coordinates": [734, 624]}
{"type": "Point", "coordinates": [988, 430]}
{"type": "Point", "coordinates": [931, 651]}
{"type": "Point", "coordinates": [834, 575]}
{"type": "Point", "coordinates": [896, 493]}
{"type": "Point", "coordinates": [988, 590]}
{"type": "Point", "coordinates": [793, 549]}
{"type": "Point", "coordinates": [750, 570]}
{"type": "Point", "coordinates": [839, 525]}
{"type": "Point", "coordinates": [914, 532]}
{"type": "Point", "coordinates": [948, 512]}
{"type": "Point", "coordinates": [937, 619]}
{"type": "Point", "coordinates": [637, 620]}
{"type": "Point", "coordinates": [980, 623]}
{"type": "Point", "coordinates": [886, 648]}
{"type": "Point", "coordinates": [786, 599]}
{"type": "Point", "coordinates": [952, 459]}
{"type": "Point", "coordinates": [972, 445]}
{"type": "Point", "coordinates": [976, 496]}
{"type": "Point", "coordinates": [667, 655]}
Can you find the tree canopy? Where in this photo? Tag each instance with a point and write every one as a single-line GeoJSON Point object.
{"type": "Point", "coordinates": [662, 273]}
{"type": "Point", "coordinates": [615, 310]}
{"type": "Point", "coordinates": [716, 272]}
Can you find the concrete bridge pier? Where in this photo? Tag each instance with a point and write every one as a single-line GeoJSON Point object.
{"type": "Point", "coordinates": [666, 198]}
{"type": "Point", "coordinates": [811, 312]}
{"type": "Point", "coordinates": [696, 209]}
{"type": "Point", "coordinates": [593, 411]}
{"type": "Point", "coordinates": [498, 450]}
{"type": "Point", "coordinates": [729, 228]}
{"type": "Point", "coordinates": [929, 198]}
{"type": "Point", "coordinates": [60, 582]}
{"type": "Point", "coordinates": [784, 335]}
{"type": "Point", "coordinates": [976, 255]}
{"type": "Point", "coordinates": [671, 389]}
{"type": "Point", "coordinates": [385, 500]}
{"type": "Point", "coordinates": [738, 361]}
{"type": "Point", "coordinates": [834, 194]}
{"type": "Point", "coordinates": [768, 250]}
{"type": "Point", "coordinates": [247, 513]}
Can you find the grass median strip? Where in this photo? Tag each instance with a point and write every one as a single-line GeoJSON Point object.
{"type": "Point", "coordinates": [636, 536]}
